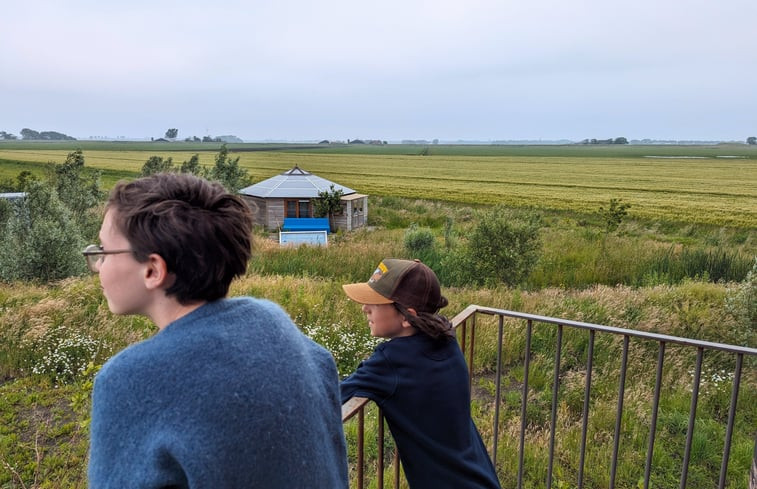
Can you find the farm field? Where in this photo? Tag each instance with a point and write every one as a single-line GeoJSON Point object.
{"type": "Point", "coordinates": [690, 201]}
{"type": "Point", "coordinates": [706, 185]}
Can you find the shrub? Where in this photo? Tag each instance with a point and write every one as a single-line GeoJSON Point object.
{"type": "Point", "coordinates": [156, 164]}
{"type": "Point", "coordinates": [502, 248]}
{"type": "Point", "coordinates": [42, 241]}
{"type": "Point", "coordinates": [420, 244]}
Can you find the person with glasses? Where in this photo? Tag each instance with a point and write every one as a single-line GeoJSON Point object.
{"type": "Point", "coordinates": [228, 393]}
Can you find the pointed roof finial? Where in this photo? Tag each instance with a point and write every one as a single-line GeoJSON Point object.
{"type": "Point", "coordinates": [296, 170]}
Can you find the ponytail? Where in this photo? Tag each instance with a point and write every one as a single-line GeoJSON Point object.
{"type": "Point", "coordinates": [434, 325]}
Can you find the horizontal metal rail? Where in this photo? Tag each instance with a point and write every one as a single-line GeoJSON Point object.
{"type": "Point", "coordinates": [465, 324]}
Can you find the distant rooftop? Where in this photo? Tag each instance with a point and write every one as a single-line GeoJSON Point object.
{"type": "Point", "coordinates": [294, 183]}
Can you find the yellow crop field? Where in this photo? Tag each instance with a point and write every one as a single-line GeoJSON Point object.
{"type": "Point", "coordinates": [720, 191]}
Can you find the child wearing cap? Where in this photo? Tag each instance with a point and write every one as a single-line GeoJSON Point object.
{"type": "Point", "coordinates": [419, 379]}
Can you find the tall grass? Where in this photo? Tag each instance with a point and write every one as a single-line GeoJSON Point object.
{"type": "Point", "coordinates": [75, 307]}
{"type": "Point", "coordinates": [53, 337]}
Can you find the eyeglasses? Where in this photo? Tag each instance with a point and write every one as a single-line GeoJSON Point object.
{"type": "Point", "coordinates": [94, 254]}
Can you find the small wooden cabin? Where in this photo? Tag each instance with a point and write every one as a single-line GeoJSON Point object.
{"type": "Point", "coordinates": [291, 194]}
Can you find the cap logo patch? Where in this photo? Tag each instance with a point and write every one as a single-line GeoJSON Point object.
{"type": "Point", "coordinates": [381, 270]}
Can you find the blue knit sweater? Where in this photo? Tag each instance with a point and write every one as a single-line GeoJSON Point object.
{"type": "Point", "coordinates": [231, 395]}
{"type": "Point", "coordinates": [421, 385]}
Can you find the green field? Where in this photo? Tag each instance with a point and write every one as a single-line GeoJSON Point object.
{"type": "Point", "coordinates": [699, 184]}
{"type": "Point", "coordinates": [682, 206]}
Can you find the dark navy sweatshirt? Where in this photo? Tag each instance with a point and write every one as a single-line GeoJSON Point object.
{"type": "Point", "coordinates": [421, 384]}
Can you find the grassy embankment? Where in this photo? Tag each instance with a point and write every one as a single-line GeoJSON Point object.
{"type": "Point", "coordinates": [43, 438]}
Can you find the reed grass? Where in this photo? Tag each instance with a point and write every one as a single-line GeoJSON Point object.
{"type": "Point", "coordinates": [693, 308]}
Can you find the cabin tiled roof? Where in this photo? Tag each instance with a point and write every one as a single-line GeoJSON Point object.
{"type": "Point", "coordinates": [294, 183]}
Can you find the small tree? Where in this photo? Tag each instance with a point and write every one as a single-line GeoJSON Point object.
{"type": "Point", "coordinates": [613, 215]}
{"type": "Point", "coordinates": [751, 140]}
{"type": "Point", "coordinates": [172, 133]}
{"type": "Point", "coordinates": [193, 166]}
{"type": "Point", "coordinates": [78, 188]}
{"type": "Point", "coordinates": [227, 171]}
{"type": "Point", "coordinates": [156, 164]}
{"type": "Point", "coordinates": [328, 203]}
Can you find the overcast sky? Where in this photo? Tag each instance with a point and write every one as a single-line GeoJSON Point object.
{"type": "Point", "coordinates": [390, 70]}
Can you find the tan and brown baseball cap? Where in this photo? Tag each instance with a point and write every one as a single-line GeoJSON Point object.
{"type": "Point", "coordinates": [407, 282]}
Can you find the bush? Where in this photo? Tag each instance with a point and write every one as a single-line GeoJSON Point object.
{"type": "Point", "coordinates": [502, 248]}
{"type": "Point", "coordinates": [155, 165]}
{"type": "Point", "coordinates": [41, 240]}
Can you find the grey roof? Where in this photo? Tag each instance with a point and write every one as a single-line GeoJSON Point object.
{"type": "Point", "coordinates": [295, 183]}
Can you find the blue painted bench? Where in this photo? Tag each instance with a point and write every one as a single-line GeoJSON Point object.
{"type": "Point", "coordinates": [306, 224]}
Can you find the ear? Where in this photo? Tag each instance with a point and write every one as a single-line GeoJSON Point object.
{"type": "Point", "coordinates": [405, 322]}
{"type": "Point", "coordinates": [155, 274]}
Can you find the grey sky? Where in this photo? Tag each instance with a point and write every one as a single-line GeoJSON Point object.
{"type": "Point", "coordinates": [339, 69]}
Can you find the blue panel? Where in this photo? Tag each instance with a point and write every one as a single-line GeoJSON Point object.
{"type": "Point", "coordinates": [306, 224]}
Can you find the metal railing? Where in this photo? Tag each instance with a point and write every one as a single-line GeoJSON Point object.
{"type": "Point", "coordinates": [465, 324]}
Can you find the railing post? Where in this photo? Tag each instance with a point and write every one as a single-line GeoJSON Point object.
{"type": "Point", "coordinates": [524, 402]}
{"type": "Point", "coordinates": [396, 467]}
{"type": "Point", "coordinates": [692, 418]}
{"type": "Point", "coordinates": [380, 464]}
{"type": "Point", "coordinates": [360, 446]}
{"type": "Point", "coordinates": [729, 429]}
{"type": "Point", "coordinates": [585, 423]}
{"type": "Point", "coordinates": [553, 417]}
{"type": "Point", "coordinates": [498, 388]}
{"type": "Point", "coordinates": [619, 412]}
{"type": "Point", "coordinates": [655, 404]}
{"type": "Point", "coordinates": [470, 354]}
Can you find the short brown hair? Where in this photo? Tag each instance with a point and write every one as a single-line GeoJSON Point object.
{"type": "Point", "coordinates": [201, 231]}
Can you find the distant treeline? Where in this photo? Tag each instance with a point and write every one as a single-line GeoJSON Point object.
{"type": "Point", "coordinates": [620, 140]}
{"type": "Point", "coordinates": [32, 135]}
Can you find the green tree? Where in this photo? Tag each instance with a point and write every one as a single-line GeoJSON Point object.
{"type": "Point", "coordinates": [25, 178]}
{"type": "Point", "coordinates": [613, 215]}
{"type": "Point", "coordinates": [156, 164]}
{"type": "Point", "coordinates": [751, 140]}
{"type": "Point", "coordinates": [41, 239]}
{"type": "Point", "coordinates": [620, 140]}
{"type": "Point", "coordinates": [328, 203]}
{"type": "Point", "coordinates": [78, 188]}
{"type": "Point", "coordinates": [172, 133]}
{"type": "Point", "coordinates": [227, 171]}
{"type": "Point", "coordinates": [27, 133]}
{"type": "Point", "coordinates": [8, 136]}
{"type": "Point", "coordinates": [502, 249]}
{"type": "Point", "coordinates": [193, 166]}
